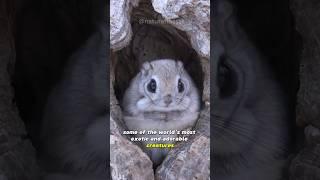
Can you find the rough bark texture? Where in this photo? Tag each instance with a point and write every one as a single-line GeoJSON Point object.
{"type": "Point", "coordinates": [127, 160]}
{"type": "Point", "coordinates": [190, 160]}
{"type": "Point", "coordinates": [306, 164]}
{"type": "Point", "coordinates": [120, 28]}
{"type": "Point", "coordinates": [17, 156]}
{"type": "Point", "coordinates": [307, 16]}
{"type": "Point", "coordinates": [191, 16]}
{"type": "Point", "coordinates": [155, 39]}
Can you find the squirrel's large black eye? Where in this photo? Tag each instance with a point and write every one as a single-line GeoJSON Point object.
{"type": "Point", "coordinates": [152, 86]}
{"type": "Point", "coordinates": [180, 86]}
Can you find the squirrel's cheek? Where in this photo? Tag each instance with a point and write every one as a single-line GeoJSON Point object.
{"type": "Point", "coordinates": [143, 104]}
{"type": "Point", "coordinates": [184, 104]}
{"type": "Point", "coordinates": [187, 101]}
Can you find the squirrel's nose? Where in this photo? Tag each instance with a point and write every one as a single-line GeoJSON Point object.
{"type": "Point", "coordinates": [167, 99]}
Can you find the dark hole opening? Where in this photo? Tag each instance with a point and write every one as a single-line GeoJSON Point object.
{"type": "Point", "coordinates": [152, 43]}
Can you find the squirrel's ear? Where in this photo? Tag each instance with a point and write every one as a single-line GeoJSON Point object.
{"type": "Point", "coordinates": [146, 67]}
{"type": "Point", "coordinates": [179, 64]}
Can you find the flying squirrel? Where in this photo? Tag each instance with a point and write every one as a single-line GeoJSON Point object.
{"type": "Point", "coordinates": [162, 96]}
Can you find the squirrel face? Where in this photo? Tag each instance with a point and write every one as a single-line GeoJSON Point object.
{"type": "Point", "coordinates": [164, 86]}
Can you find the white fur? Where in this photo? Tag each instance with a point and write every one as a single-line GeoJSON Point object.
{"type": "Point", "coordinates": [182, 113]}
